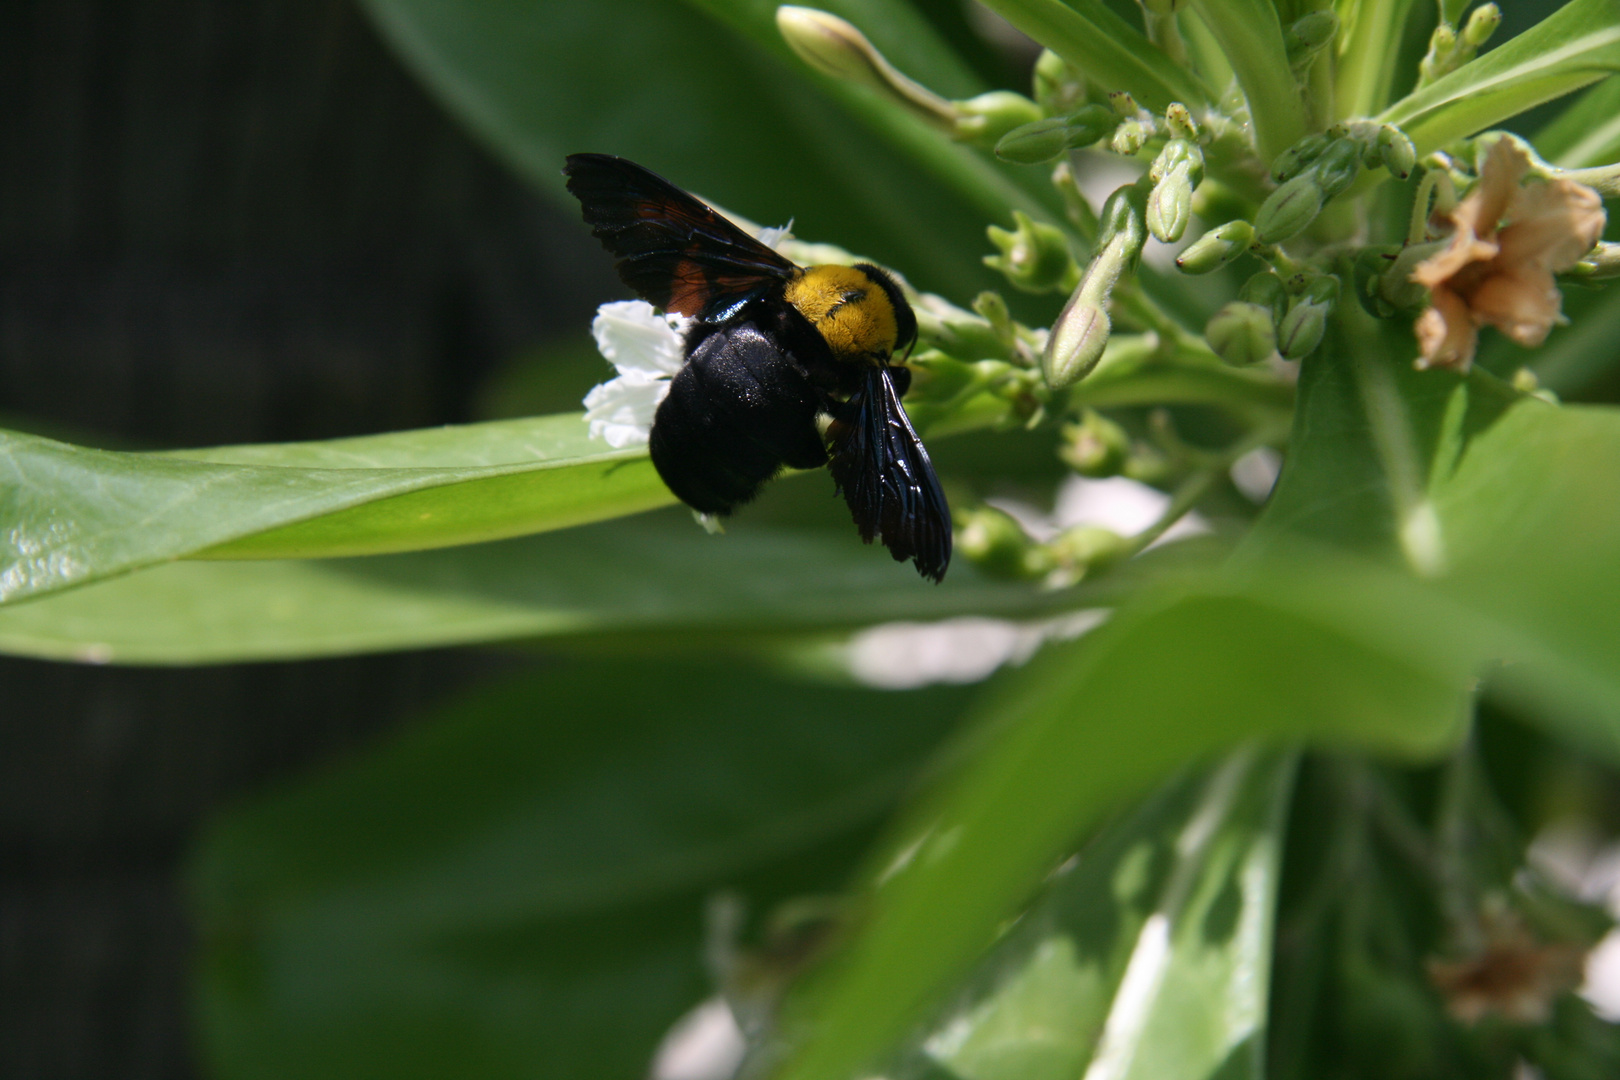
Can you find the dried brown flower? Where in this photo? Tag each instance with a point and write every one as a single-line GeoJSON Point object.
{"type": "Point", "coordinates": [1509, 239]}
{"type": "Point", "coordinates": [1515, 976]}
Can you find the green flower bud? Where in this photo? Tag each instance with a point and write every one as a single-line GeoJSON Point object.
{"type": "Point", "coordinates": [1292, 161]}
{"type": "Point", "coordinates": [993, 540]}
{"type": "Point", "coordinates": [1396, 151]}
{"type": "Point", "coordinates": [1059, 86]}
{"type": "Point", "coordinates": [1338, 167]}
{"type": "Point", "coordinates": [1396, 286]}
{"type": "Point", "coordinates": [1267, 290]}
{"type": "Point", "coordinates": [1307, 35]}
{"type": "Point", "coordinates": [1077, 340]}
{"type": "Point", "coordinates": [992, 307]}
{"type": "Point", "coordinates": [1129, 137]}
{"type": "Point", "coordinates": [835, 47]}
{"type": "Point", "coordinates": [1443, 55]}
{"type": "Point", "coordinates": [1096, 446]}
{"type": "Point", "coordinates": [1035, 256]}
{"type": "Point", "coordinates": [1089, 123]}
{"type": "Point", "coordinates": [1600, 264]}
{"type": "Point", "coordinates": [1241, 333]}
{"type": "Point", "coordinates": [1481, 24]}
{"type": "Point", "coordinates": [1180, 122]}
{"type": "Point", "coordinates": [1301, 331]}
{"type": "Point", "coordinates": [983, 120]}
{"type": "Point", "coordinates": [1169, 206]}
{"type": "Point", "coordinates": [1177, 154]}
{"type": "Point", "coordinates": [1215, 248]}
{"type": "Point", "coordinates": [1033, 144]}
{"type": "Point", "coordinates": [1302, 328]}
{"type": "Point", "coordinates": [1124, 104]}
{"type": "Point", "coordinates": [1122, 216]}
{"type": "Point", "coordinates": [1079, 550]}
{"type": "Point", "coordinates": [1080, 333]}
{"type": "Point", "coordinates": [1288, 210]}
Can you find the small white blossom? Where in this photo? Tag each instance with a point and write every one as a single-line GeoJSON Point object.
{"type": "Point", "coordinates": [646, 348]}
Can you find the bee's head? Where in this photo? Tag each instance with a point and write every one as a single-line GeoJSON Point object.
{"type": "Point", "coordinates": [859, 310]}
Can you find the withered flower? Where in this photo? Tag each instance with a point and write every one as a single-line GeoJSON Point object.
{"type": "Point", "coordinates": [1509, 239]}
{"type": "Point", "coordinates": [1515, 976]}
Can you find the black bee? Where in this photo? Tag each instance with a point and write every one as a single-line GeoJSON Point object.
{"type": "Point", "coordinates": [775, 346]}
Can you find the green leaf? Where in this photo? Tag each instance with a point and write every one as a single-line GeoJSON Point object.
{"type": "Point", "coordinates": [1575, 46]}
{"type": "Point", "coordinates": [708, 95]}
{"type": "Point", "coordinates": [515, 888]}
{"type": "Point", "coordinates": [74, 515]}
{"type": "Point", "coordinates": [1299, 648]}
{"type": "Point", "coordinates": [1587, 133]}
{"type": "Point", "coordinates": [1088, 34]}
{"type": "Point", "coordinates": [1488, 529]}
{"type": "Point", "coordinates": [1149, 954]}
{"type": "Point", "coordinates": [658, 574]}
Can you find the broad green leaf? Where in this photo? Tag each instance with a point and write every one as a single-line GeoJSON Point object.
{"type": "Point", "coordinates": [1587, 133]}
{"type": "Point", "coordinates": [1088, 34]}
{"type": "Point", "coordinates": [1532, 529]}
{"type": "Point", "coordinates": [515, 887]}
{"type": "Point", "coordinates": [1512, 561]}
{"type": "Point", "coordinates": [1148, 955]}
{"type": "Point", "coordinates": [1577, 45]}
{"type": "Point", "coordinates": [74, 515]}
{"type": "Point", "coordinates": [1296, 649]}
{"type": "Point", "coordinates": [708, 95]}
{"type": "Point", "coordinates": [657, 574]}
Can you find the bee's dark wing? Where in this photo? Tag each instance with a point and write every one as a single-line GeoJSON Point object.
{"type": "Point", "coordinates": [677, 253]}
{"type": "Point", "coordinates": [880, 465]}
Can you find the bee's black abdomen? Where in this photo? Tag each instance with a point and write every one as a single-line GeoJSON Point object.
{"type": "Point", "coordinates": [736, 413]}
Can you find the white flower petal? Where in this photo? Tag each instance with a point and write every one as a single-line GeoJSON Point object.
{"type": "Point", "coordinates": [636, 338]}
{"type": "Point", "coordinates": [620, 411]}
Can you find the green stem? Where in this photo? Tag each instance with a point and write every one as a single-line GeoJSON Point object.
{"type": "Point", "coordinates": [1367, 64]}
{"type": "Point", "coordinates": [1106, 47]}
{"type": "Point", "coordinates": [1163, 31]}
{"type": "Point", "coordinates": [1252, 40]}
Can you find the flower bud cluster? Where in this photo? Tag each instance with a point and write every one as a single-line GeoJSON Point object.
{"type": "Point", "coordinates": [1273, 317]}
{"type": "Point", "coordinates": [1034, 256]}
{"type": "Point", "coordinates": [1000, 547]}
{"type": "Point", "coordinates": [1450, 49]}
{"type": "Point", "coordinates": [1307, 36]}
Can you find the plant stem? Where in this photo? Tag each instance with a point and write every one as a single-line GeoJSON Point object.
{"type": "Point", "coordinates": [1367, 64]}
{"type": "Point", "coordinates": [1252, 39]}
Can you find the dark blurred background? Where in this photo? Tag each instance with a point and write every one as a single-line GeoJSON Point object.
{"type": "Point", "coordinates": [220, 221]}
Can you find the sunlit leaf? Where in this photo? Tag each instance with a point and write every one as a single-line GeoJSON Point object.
{"type": "Point", "coordinates": [1587, 133]}
{"type": "Point", "coordinates": [1576, 45]}
{"type": "Point", "coordinates": [1148, 955]}
{"type": "Point", "coordinates": [74, 515]}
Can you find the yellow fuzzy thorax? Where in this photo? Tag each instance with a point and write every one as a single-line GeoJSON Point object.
{"type": "Point", "coordinates": [848, 308]}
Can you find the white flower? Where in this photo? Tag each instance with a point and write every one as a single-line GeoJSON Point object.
{"type": "Point", "coordinates": [647, 350]}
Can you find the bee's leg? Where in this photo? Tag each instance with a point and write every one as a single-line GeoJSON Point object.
{"type": "Point", "coordinates": [900, 375]}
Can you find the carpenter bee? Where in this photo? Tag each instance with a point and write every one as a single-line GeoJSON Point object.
{"type": "Point", "coordinates": [784, 363]}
